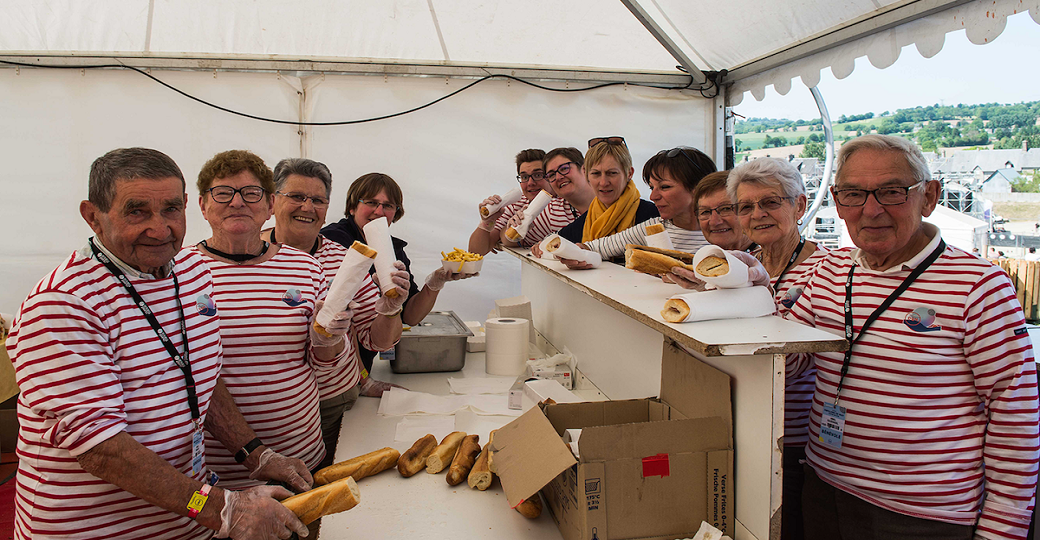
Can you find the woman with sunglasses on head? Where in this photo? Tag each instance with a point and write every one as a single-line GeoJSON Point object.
{"type": "Point", "coordinates": [267, 296]}
{"type": "Point", "coordinates": [375, 196]}
{"type": "Point", "coordinates": [672, 176]}
{"type": "Point", "coordinates": [617, 206]}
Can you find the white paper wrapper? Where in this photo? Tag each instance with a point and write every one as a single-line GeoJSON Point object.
{"type": "Point", "coordinates": [737, 276]}
{"type": "Point", "coordinates": [345, 285]}
{"type": "Point", "coordinates": [533, 209]}
{"type": "Point", "coordinates": [660, 240]}
{"type": "Point", "coordinates": [570, 250]}
{"type": "Point", "coordinates": [740, 303]}
{"type": "Point", "coordinates": [377, 235]}
{"type": "Point", "coordinates": [509, 198]}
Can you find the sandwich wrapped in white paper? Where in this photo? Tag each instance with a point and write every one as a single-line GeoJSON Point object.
{"type": "Point", "coordinates": [743, 303]}
{"type": "Point", "coordinates": [657, 237]}
{"type": "Point", "coordinates": [533, 209]}
{"type": "Point", "coordinates": [720, 269]}
{"type": "Point", "coordinates": [565, 249]}
{"type": "Point", "coordinates": [346, 284]}
{"type": "Point", "coordinates": [377, 235]}
{"type": "Point", "coordinates": [509, 198]}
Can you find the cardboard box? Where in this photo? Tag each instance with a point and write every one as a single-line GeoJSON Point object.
{"type": "Point", "coordinates": [649, 468]}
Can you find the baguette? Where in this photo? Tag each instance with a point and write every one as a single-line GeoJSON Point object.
{"type": "Point", "coordinates": [464, 460]}
{"type": "Point", "coordinates": [513, 235]}
{"type": "Point", "coordinates": [530, 508]}
{"type": "Point", "coordinates": [656, 228]}
{"type": "Point", "coordinates": [359, 467]}
{"type": "Point", "coordinates": [339, 496]}
{"type": "Point", "coordinates": [441, 456]}
{"type": "Point", "coordinates": [683, 256]}
{"type": "Point", "coordinates": [675, 310]}
{"type": "Point", "coordinates": [712, 266]}
{"type": "Point", "coordinates": [414, 459]}
{"type": "Point", "coordinates": [650, 262]}
{"type": "Point", "coordinates": [480, 476]}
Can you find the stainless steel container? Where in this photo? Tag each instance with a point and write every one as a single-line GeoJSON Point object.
{"type": "Point", "coordinates": [438, 343]}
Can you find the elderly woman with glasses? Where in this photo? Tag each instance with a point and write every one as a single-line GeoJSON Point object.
{"type": "Point", "coordinates": [375, 196]}
{"type": "Point", "coordinates": [717, 215]}
{"type": "Point", "coordinates": [301, 199]}
{"type": "Point", "coordinates": [672, 176]}
{"type": "Point", "coordinates": [267, 296]}
{"type": "Point", "coordinates": [617, 206]}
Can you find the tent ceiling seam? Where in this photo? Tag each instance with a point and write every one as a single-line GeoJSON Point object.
{"type": "Point", "coordinates": [148, 27]}
{"type": "Point", "coordinates": [437, 27]}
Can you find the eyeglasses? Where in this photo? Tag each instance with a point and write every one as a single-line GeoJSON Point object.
{"type": "Point", "coordinates": [615, 140]}
{"type": "Point", "coordinates": [681, 150]}
{"type": "Point", "coordinates": [886, 196]}
{"type": "Point", "coordinates": [768, 204]}
{"type": "Point", "coordinates": [224, 194]}
{"type": "Point", "coordinates": [725, 210]}
{"type": "Point", "coordinates": [563, 170]}
{"type": "Point", "coordinates": [389, 208]}
{"type": "Point", "coordinates": [537, 176]}
{"type": "Point", "coordinates": [300, 198]}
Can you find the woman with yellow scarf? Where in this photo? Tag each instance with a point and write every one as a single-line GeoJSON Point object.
{"type": "Point", "coordinates": [617, 206]}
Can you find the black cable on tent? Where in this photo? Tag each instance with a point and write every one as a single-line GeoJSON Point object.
{"type": "Point", "coordinates": [344, 122]}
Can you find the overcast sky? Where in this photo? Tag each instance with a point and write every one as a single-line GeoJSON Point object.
{"type": "Point", "coordinates": [1004, 71]}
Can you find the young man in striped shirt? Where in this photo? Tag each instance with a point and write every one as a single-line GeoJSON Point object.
{"type": "Point", "coordinates": [117, 353]}
{"type": "Point", "coordinates": [531, 175]}
{"type": "Point", "coordinates": [928, 426]}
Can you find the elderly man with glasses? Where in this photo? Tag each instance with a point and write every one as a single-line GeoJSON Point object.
{"type": "Point", "coordinates": [927, 426]}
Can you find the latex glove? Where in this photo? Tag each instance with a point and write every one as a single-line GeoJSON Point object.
{"type": "Point", "coordinates": [392, 306]}
{"type": "Point", "coordinates": [488, 223]}
{"type": "Point", "coordinates": [687, 279]}
{"type": "Point", "coordinates": [436, 280]}
{"type": "Point", "coordinates": [756, 272]}
{"type": "Point", "coordinates": [274, 466]}
{"type": "Point", "coordinates": [256, 513]}
{"type": "Point", "coordinates": [338, 327]}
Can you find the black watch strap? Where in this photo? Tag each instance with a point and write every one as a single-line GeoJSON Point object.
{"type": "Point", "coordinates": [243, 453]}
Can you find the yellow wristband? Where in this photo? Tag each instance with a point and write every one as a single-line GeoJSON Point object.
{"type": "Point", "coordinates": [198, 500]}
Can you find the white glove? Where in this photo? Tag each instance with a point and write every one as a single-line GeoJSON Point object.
{"type": "Point", "coordinates": [392, 306]}
{"type": "Point", "coordinates": [436, 280]}
{"type": "Point", "coordinates": [488, 223]}
{"type": "Point", "coordinates": [338, 327]}
{"type": "Point", "coordinates": [275, 466]}
{"type": "Point", "coordinates": [756, 272]}
{"type": "Point", "coordinates": [256, 513]}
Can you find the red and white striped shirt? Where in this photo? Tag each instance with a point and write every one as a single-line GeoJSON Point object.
{"type": "Point", "coordinates": [333, 383]}
{"type": "Point", "coordinates": [558, 214]}
{"type": "Point", "coordinates": [89, 366]}
{"type": "Point", "coordinates": [266, 311]}
{"type": "Point", "coordinates": [798, 390]}
{"type": "Point", "coordinates": [941, 392]}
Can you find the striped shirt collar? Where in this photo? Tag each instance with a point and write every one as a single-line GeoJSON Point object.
{"type": "Point", "coordinates": [929, 229]}
{"type": "Point", "coordinates": [126, 268]}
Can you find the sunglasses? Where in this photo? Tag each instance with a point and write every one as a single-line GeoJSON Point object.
{"type": "Point", "coordinates": [615, 140]}
{"type": "Point", "coordinates": [681, 151]}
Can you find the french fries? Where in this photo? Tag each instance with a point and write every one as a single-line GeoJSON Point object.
{"type": "Point", "coordinates": [461, 256]}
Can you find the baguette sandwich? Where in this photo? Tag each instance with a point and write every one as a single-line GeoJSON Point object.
{"type": "Point", "coordinates": [655, 261]}
{"type": "Point", "coordinates": [712, 266]}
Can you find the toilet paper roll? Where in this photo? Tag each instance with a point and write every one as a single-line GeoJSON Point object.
{"type": "Point", "coordinates": [377, 235]}
{"type": "Point", "coordinates": [506, 345]}
{"type": "Point", "coordinates": [660, 240]}
{"type": "Point", "coordinates": [509, 198]}
{"type": "Point", "coordinates": [537, 205]}
{"type": "Point", "coordinates": [736, 278]}
{"type": "Point", "coordinates": [565, 249]}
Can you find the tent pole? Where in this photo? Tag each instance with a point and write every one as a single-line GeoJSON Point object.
{"type": "Point", "coordinates": [665, 40]}
{"type": "Point", "coordinates": [821, 193]}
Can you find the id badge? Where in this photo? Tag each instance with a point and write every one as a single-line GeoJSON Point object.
{"type": "Point", "coordinates": [196, 451]}
{"type": "Point", "coordinates": [832, 425]}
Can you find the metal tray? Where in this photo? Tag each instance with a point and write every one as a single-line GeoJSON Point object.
{"type": "Point", "coordinates": [438, 343]}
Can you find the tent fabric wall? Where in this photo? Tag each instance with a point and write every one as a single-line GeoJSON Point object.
{"type": "Point", "coordinates": [447, 158]}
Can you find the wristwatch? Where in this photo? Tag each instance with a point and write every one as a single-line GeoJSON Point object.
{"type": "Point", "coordinates": [243, 453]}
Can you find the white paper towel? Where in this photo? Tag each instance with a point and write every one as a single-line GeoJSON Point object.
{"type": "Point", "coordinates": [517, 307]}
{"type": "Point", "coordinates": [346, 284]}
{"type": "Point", "coordinates": [660, 240]}
{"type": "Point", "coordinates": [728, 303]}
{"type": "Point", "coordinates": [509, 198]}
{"type": "Point", "coordinates": [506, 349]}
{"type": "Point", "coordinates": [533, 209]}
{"type": "Point", "coordinates": [737, 276]}
{"type": "Point", "coordinates": [377, 235]}
{"type": "Point", "coordinates": [570, 250]}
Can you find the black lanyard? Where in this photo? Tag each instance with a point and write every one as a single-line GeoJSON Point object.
{"type": "Point", "coordinates": [794, 257]}
{"type": "Point", "coordinates": [182, 362]}
{"type": "Point", "coordinates": [880, 309]}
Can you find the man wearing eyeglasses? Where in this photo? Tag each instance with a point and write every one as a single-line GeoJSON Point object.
{"type": "Point", "coordinates": [117, 354]}
{"type": "Point", "coordinates": [927, 426]}
{"type": "Point", "coordinates": [531, 175]}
